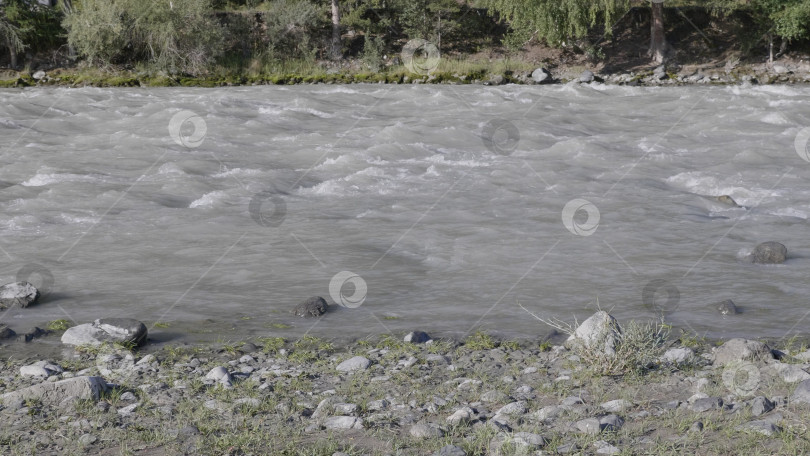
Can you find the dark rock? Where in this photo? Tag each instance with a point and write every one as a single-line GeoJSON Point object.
{"type": "Point", "coordinates": [769, 253]}
{"type": "Point", "coordinates": [417, 337]}
{"type": "Point", "coordinates": [6, 332]}
{"type": "Point", "coordinates": [541, 76]}
{"type": "Point", "coordinates": [121, 330]}
{"type": "Point", "coordinates": [727, 307]}
{"type": "Point", "coordinates": [22, 294]}
{"type": "Point", "coordinates": [312, 307]}
{"type": "Point", "coordinates": [33, 334]}
{"type": "Point", "coordinates": [761, 405]}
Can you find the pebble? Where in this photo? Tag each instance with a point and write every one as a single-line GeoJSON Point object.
{"type": "Point", "coordinates": [354, 364]}
{"type": "Point", "coordinates": [426, 431]}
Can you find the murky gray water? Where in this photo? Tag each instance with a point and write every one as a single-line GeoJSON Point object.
{"type": "Point", "coordinates": [395, 184]}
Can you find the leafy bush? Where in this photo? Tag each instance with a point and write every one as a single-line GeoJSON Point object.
{"type": "Point", "coordinates": [291, 28]}
{"type": "Point", "coordinates": [373, 53]}
{"type": "Point", "coordinates": [177, 36]}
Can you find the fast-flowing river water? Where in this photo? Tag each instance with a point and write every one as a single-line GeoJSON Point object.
{"type": "Point", "coordinates": [441, 208]}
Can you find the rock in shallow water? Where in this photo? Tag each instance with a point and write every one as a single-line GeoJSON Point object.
{"type": "Point", "coordinates": [727, 307]}
{"type": "Point", "coordinates": [600, 331]}
{"type": "Point", "coordinates": [769, 253]}
{"type": "Point", "coordinates": [312, 307]}
{"type": "Point", "coordinates": [417, 337]}
{"type": "Point", "coordinates": [121, 330]}
{"type": "Point", "coordinates": [21, 294]}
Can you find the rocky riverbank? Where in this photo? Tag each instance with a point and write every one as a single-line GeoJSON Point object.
{"type": "Point", "coordinates": [609, 389]}
{"type": "Point", "coordinates": [730, 72]}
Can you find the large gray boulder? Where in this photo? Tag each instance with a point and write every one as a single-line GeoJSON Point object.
{"type": "Point", "coordinates": [354, 364]}
{"type": "Point", "coordinates": [541, 76]}
{"type": "Point", "coordinates": [121, 330]}
{"type": "Point", "coordinates": [21, 294]}
{"type": "Point", "coordinates": [769, 253]}
{"type": "Point", "coordinates": [600, 331]}
{"type": "Point", "coordinates": [54, 393]}
{"type": "Point", "coordinates": [740, 350]}
{"type": "Point", "coordinates": [586, 76]}
{"type": "Point", "coordinates": [312, 307]}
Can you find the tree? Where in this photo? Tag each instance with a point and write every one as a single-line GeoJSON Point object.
{"type": "Point", "coordinates": [337, 48]}
{"type": "Point", "coordinates": [658, 41]}
{"type": "Point", "coordinates": [555, 21]}
{"type": "Point", "coordinates": [10, 38]}
{"type": "Point", "coordinates": [786, 19]}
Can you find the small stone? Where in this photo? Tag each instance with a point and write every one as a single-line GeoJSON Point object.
{"type": "Point", "coordinates": [678, 355]}
{"type": "Point", "coordinates": [34, 371]}
{"type": "Point", "coordinates": [38, 75]}
{"type": "Point", "coordinates": [735, 350]}
{"type": "Point", "coordinates": [616, 406]}
{"type": "Point", "coordinates": [219, 374]}
{"type": "Point", "coordinates": [590, 426]}
{"type": "Point", "coordinates": [461, 416]}
{"type": "Point", "coordinates": [725, 199]}
{"type": "Point", "coordinates": [129, 409]}
{"type": "Point", "coordinates": [450, 450]}
{"type": "Point", "coordinates": [763, 427]}
{"type": "Point", "coordinates": [586, 76]}
{"type": "Point", "coordinates": [343, 422]}
{"type": "Point", "coordinates": [417, 337]}
{"type": "Point", "coordinates": [248, 401]}
{"type": "Point", "coordinates": [354, 364]}
{"type": "Point", "coordinates": [87, 440]}
{"type": "Point", "coordinates": [801, 395]}
{"type": "Point", "coordinates": [769, 253]}
{"type": "Point", "coordinates": [128, 397]}
{"type": "Point", "coordinates": [21, 294]}
{"type": "Point", "coordinates": [705, 404]}
{"type": "Point", "coordinates": [760, 405]}
{"type": "Point", "coordinates": [514, 408]}
{"type": "Point", "coordinates": [603, 447]}
{"type": "Point", "coordinates": [571, 401]}
{"type": "Point", "coordinates": [697, 426]}
{"type": "Point", "coordinates": [494, 396]}
{"type": "Point", "coordinates": [790, 373]}
{"type": "Point", "coordinates": [426, 431]}
{"type": "Point", "coordinates": [611, 422]}
{"type": "Point", "coordinates": [312, 307]}
{"type": "Point", "coordinates": [727, 307]}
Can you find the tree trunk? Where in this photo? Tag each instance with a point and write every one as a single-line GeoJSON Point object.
{"type": "Point", "coordinates": [658, 42]}
{"type": "Point", "coordinates": [13, 53]}
{"type": "Point", "coordinates": [337, 51]}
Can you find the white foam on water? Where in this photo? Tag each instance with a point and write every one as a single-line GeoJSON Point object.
{"type": "Point", "coordinates": [208, 200]}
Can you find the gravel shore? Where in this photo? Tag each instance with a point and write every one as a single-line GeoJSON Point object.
{"type": "Point", "coordinates": [381, 396]}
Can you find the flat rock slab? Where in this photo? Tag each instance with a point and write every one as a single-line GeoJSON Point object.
{"type": "Point", "coordinates": [760, 426]}
{"type": "Point", "coordinates": [21, 294]}
{"type": "Point", "coordinates": [343, 422]}
{"type": "Point", "coordinates": [53, 393]}
{"type": "Point", "coordinates": [426, 431]}
{"type": "Point", "coordinates": [312, 307]}
{"type": "Point", "coordinates": [121, 330]}
{"type": "Point", "coordinates": [801, 395]}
